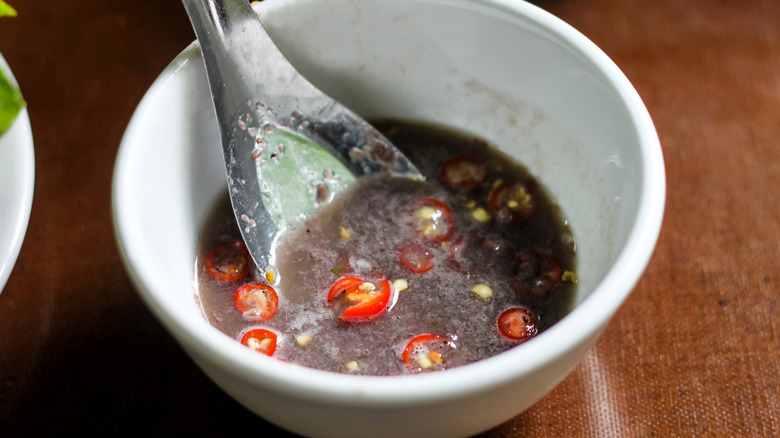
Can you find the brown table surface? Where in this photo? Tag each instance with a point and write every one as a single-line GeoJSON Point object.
{"type": "Point", "coordinates": [695, 350]}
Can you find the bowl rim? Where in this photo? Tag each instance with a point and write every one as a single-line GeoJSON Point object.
{"type": "Point", "coordinates": [585, 321]}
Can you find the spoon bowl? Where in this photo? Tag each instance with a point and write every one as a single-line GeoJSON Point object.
{"type": "Point", "coordinates": [288, 147]}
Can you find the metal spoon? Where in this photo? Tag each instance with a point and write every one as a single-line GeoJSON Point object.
{"type": "Point", "coordinates": [288, 147]}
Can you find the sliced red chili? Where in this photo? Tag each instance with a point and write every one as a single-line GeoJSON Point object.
{"type": "Point", "coordinates": [416, 258]}
{"type": "Point", "coordinates": [462, 171]}
{"type": "Point", "coordinates": [228, 262]}
{"type": "Point", "coordinates": [368, 300]}
{"type": "Point", "coordinates": [513, 201]}
{"type": "Point", "coordinates": [536, 273]}
{"type": "Point", "coordinates": [432, 219]}
{"type": "Point", "coordinates": [257, 301]}
{"type": "Point", "coordinates": [517, 324]}
{"type": "Point", "coordinates": [260, 340]}
{"type": "Point", "coordinates": [344, 285]}
{"type": "Point", "coordinates": [427, 352]}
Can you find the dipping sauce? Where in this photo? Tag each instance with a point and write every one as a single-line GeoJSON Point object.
{"type": "Point", "coordinates": [397, 276]}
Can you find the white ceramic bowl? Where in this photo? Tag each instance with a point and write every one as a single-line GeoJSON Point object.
{"type": "Point", "coordinates": [17, 180]}
{"type": "Point", "coordinates": [504, 70]}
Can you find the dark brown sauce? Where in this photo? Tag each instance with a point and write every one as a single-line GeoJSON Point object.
{"type": "Point", "coordinates": [374, 214]}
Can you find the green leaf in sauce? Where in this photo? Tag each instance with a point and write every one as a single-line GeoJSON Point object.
{"type": "Point", "coordinates": [296, 175]}
{"type": "Point", "coordinates": [336, 270]}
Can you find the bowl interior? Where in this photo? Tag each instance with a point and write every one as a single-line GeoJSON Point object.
{"type": "Point", "coordinates": [490, 72]}
{"type": "Point", "coordinates": [517, 77]}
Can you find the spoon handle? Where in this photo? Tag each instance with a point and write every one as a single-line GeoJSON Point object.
{"type": "Point", "coordinates": [255, 92]}
{"type": "Point", "coordinates": [241, 59]}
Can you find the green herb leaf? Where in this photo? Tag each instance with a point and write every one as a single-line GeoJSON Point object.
{"type": "Point", "coordinates": [11, 102]}
{"type": "Point", "coordinates": [290, 173]}
{"type": "Point", "coordinates": [336, 270]}
{"type": "Point", "coordinates": [6, 10]}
